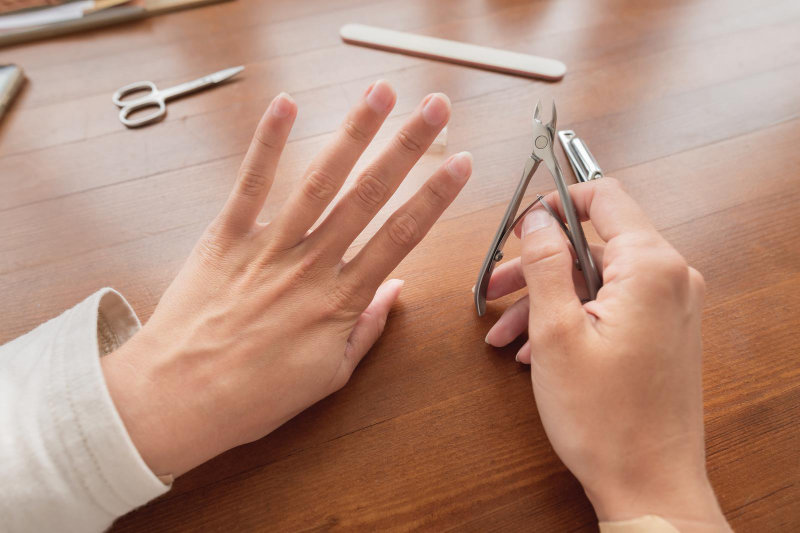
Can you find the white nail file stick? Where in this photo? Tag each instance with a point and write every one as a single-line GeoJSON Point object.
{"type": "Point", "coordinates": [453, 51]}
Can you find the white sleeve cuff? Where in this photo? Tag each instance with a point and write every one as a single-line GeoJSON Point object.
{"type": "Point", "coordinates": [69, 462]}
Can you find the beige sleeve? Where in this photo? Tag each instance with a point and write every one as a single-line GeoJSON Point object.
{"type": "Point", "coordinates": [68, 462]}
{"type": "Point", "coordinates": [642, 524]}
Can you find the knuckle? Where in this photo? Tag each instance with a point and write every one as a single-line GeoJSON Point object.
{"type": "Point", "coordinates": [319, 185]}
{"type": "Point", "coordinates": [437, 194]}
{"type": "Point", "coordinates": [404, 230]}
{"type": "Point", "coordinates": [355, 132]}
{"type": "Point", "coordinates": [251, 182]}
{"type": "Point", "coordinates": [345, 297]}
{"type": "Point", "coordinates": [405, 141]}
{"type": "Point", "coordinates": [639, 244]}
{"type": "Point", "coordinates": [674, 267]}
{"type": "Point", "coordinates": [266, 142]}
{"type": "Point", "coordinates": [371, 191]}
{"type": "Point", "coordinates": [666, 271]}
{"type": "Point", "coordinates": [305, 270]}
{"type": "Point", "coordinates": [212, 246]}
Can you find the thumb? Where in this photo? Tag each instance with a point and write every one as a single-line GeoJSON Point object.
{"type": "Point", "coordinates": [547, 267]}
{"type": "Point", "coordinates": [371, 322]}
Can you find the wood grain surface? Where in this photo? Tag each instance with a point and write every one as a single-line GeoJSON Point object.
{"type": "Point", "coordinates": [692, 104]}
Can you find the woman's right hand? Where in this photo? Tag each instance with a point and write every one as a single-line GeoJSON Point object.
{"type": "Point", "coordinates": [617, 380]}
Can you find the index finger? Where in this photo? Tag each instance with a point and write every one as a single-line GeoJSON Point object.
{"type": "Point", "coordinates": [258, 168]}
{"type": "Point", "coordinates": [610, 209]}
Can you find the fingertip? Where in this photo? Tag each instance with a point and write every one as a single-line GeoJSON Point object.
{"type": "Point", "coordinates": [436, 109]}
{"type": "Point", "coordinates": [282, 106]}
{"type": "Point", "coordinates": [524, 354]}
{"type": "Point", "coordinates": [396, 285]}
{"type": "Point", "coordinates": [380, 97]}
{"type": "Point", "coordinates": [459, 167]}
{"type": "Point", "coordinates": [388, 292]}
{"type": "Point", "coordinates": [494, 336]}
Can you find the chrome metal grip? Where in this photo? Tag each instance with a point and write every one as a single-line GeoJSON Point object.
{"type": "Point", "coordinates": [580, 158]}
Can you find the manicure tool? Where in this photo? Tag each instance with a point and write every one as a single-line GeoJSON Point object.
{"type": "Point", "coordinates": [453, 51]}
{"type": "Point", "coordinates": [579, 156]}
{"type": "Point", "coordinates": [544, 137]}
{"type": "Point", "coordinates": [157, 98]}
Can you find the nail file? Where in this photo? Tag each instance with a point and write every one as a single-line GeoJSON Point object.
{"type": "Point", "coordinates": [453, 51]}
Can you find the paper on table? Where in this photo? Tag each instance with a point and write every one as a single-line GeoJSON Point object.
{"type": "Point", "coordinates": [49, 15]}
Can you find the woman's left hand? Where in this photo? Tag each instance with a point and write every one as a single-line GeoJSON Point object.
{"type": "Point", "coordinates": [266, 319]}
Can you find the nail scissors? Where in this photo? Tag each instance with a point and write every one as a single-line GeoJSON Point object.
{"type": "Point", "coordinates": [544, 137]}
{"type": "Point", "coordinates": [157, 98]}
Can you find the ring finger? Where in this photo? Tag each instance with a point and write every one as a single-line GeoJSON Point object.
{"type": "Point", "coordinates": [382, 177]}
{"type": "Point", "coordinates": [329, 170]}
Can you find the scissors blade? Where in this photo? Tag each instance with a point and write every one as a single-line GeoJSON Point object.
{"type": "Point", "coordinates": [225, 74]}
{"type": "Point", "coordinates": [209, 80]}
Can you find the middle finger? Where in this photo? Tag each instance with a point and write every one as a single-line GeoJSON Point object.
{"type": "Point", "coordinates": [328, 171]}
{"type": "Point", "coordinates": [380, 179]}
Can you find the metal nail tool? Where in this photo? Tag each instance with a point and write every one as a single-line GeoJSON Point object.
{"type": "Point", "coordinates": [579, 156]}
{"type": "Point", "coordinates": [586, 168]}
{"type": "Point", "coordinates": [157, 98]}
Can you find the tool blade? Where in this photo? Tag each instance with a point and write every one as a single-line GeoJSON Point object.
{"type": "Point", "coordinates": [223, 75]}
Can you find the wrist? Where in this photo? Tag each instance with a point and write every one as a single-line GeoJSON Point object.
{"type": "Point", "coordinates": [686, 502]}
{"type": "Point", "coordinates": [162, 431]}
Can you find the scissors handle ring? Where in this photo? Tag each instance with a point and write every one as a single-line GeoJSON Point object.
{"type": "Point", "coordinates": [118, 96]}
{"type": "Point", "coordinates": [152, 101]}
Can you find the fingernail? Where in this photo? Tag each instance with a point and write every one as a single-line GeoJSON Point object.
{"type": "Point", "coordinates": [473, 289]}
{"type": "Point", "coordinates": [460, 166]}
{"type": "Point", "coordinates": [394, 282]}
{"type": "Point", "coordinates": [516, 357]}
{"type": "Point", "coordinates": [281, 106]}
{"type": "Point", "coordinates": [486, 340]}
{"type": "Point", "coordinates": [436, 109]}
{"type": "Point", "coordinates": [380, 96]}
{"type": "Point", "coordinates": [536, 220]}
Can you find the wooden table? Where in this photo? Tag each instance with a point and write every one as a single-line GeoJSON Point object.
{"type": "Point", "coordinates": [692, 104]}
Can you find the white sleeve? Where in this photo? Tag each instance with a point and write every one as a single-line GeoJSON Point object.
{"type": "Point", "coordinates": [67, 461]}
